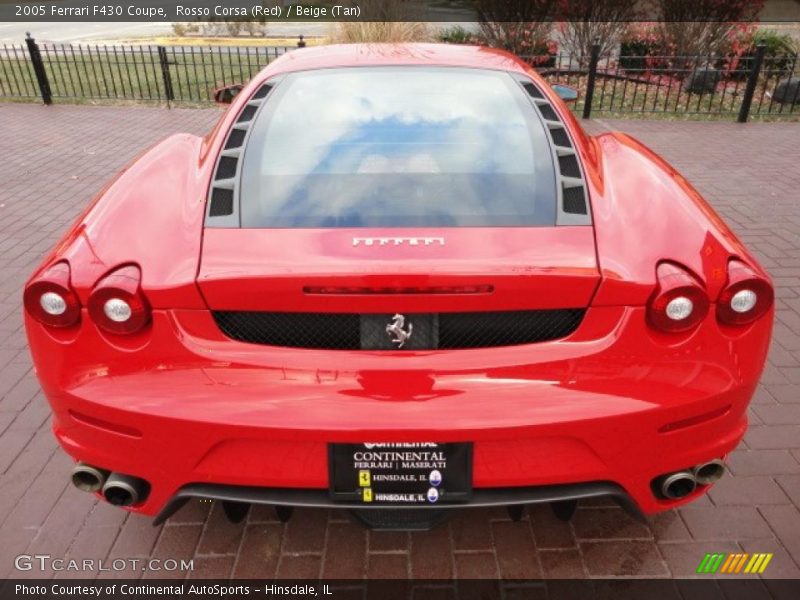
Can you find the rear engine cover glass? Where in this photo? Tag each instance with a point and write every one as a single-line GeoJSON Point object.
{"type": "Point", "coordinates": [398, 147]}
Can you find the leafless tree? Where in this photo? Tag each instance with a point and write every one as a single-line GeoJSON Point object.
{"type": "Point", "coordinates": [703, 27]}
{"type": "Point", "coordinates": [513, 24]}
{"type": "Point", "coordinates": [590, 21]}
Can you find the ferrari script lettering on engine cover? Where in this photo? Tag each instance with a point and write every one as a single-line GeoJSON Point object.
{"type": "Point", "coordinates": [397, 241]}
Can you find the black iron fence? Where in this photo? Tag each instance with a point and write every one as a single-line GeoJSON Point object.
{"type": "Point", "coordinates": [752, 84]}
{"type": "Point", "coordinates": [186, 74]}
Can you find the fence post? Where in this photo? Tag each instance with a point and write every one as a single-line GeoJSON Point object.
{"type": "Point", "coordinates": [162, 58]}
{"type": "Point", "coordinates": [38, 69]}
{"type": "Point", "coordinates": [593, 60]}
{"type": "Point", "coordinates": [752, 81]}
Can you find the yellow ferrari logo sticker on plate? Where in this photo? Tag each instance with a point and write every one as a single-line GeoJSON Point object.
{"type": "Point", "coordinates": [363, 478]}
{"type": "Point", "coordinates": [366, 495]}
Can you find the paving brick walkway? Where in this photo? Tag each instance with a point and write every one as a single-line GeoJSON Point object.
{"type": "Point", "coordinates": [54, 159]}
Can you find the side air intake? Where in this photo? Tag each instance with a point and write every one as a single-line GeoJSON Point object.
{"type": "Point", "coordinates": [573, 207]}
{"type": "Point", "coordinates": [222, 206]}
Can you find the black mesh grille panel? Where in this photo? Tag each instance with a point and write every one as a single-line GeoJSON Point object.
{"type": "Point", "coordinates": [569, 166]}
{"type": "Point", "coordinates": [560, 137]}
{"type": "Point", "coordinates": [548, 112]}
{"type": "Point", "coordinates": [235, 139]}
{"type": "Point", "coordinates": [298, 330]}
{"type": "Point", "coordinates": [221, 202]}
{"type": "Point", "coordinates": [450, 330]}
{"type": "Point", "coordinates": [464, 330]}
{"type": "Point", "coordinates": [575, 201]}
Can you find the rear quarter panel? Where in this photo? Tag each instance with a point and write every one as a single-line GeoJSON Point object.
{"type": "Point", "coordinates": [151, 215]}
{"type": "Point", "coordinates": [644, 212]}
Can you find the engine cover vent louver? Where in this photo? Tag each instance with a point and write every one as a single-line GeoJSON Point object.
{"type": "Point", "coordinates": [221, 202]}
{"type": "Point", "coordinates": [532, 90]}
{"type": "Point", "coordinates": [247, 114]}
{"type": "Point", "coordinates": [235, 139]}
{"type": "Point", "coordinates": [547, 112]}
{"type": "Point", "coordinates": [222, 205]}
{"type": "Point", "coordinates": [575, 200]}
{"type": "Point", "coordinates": [227, 167]}
{"type": "Point", "coordinates": [573, 206]}
{"type": "Point", "coordinates": [560, 137]}
{"type": "Point", "coordinates": [568, 164]}
{"type": "Point", "coordinates": [262, 92]}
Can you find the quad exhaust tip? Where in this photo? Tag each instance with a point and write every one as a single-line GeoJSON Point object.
{"type": "Point", "coordinates": [678, 485]}
{"type": "Point", "coordinates": [88, 478]}
{"type": "Point", "coordinates": [125, 490]}
{"type": "Point", "coordinates": [117, 488]}
{"type": "Point", "coordinates": [709, 472]}
{"type": "Point", "coordinates": [674, 486]}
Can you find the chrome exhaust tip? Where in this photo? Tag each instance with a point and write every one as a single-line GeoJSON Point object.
{"type": "Point", "coordinates": [88, 478]}
{"type": "Point", "coordinates": [125, 490]}
{"type": "Point", "coordinates": [710, 472]}
{"type": "Point", "coordinates": [678, 485]}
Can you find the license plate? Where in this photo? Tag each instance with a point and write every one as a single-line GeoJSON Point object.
{"type": "Point", "coordinates": [401, 474]}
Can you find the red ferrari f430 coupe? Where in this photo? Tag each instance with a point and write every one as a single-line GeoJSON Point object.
{"type": "Point", "coordinates": [398, 280]}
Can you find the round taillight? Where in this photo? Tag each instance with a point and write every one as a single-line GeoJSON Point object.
{"type": "Point", "coordinates": [679, 303]}
{"type": "Point", "coordinates": [117, 304]}
{"type": "Point", "coordinates": [679, 308]}
{"type": "Point", "coordinates": [50, 299]}
{"type": "Point", "coordinates": [117, 310]}
{"type": "Point", "coordinates": [744, 301]}
{"type": "Point", "coordinates": [53, 303]}
{"type": "Point", "coordinates": [746, 296]}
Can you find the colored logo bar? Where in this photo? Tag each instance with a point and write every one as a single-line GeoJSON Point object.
{"type": "Point", "coordinates": [734, 563]}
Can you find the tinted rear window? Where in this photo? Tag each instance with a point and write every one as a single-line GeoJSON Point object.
{"type": "Point", "coordinates": [398, 147]}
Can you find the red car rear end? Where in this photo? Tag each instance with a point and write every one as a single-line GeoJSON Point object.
{"type": "Point", "coordinates": [399, 280]}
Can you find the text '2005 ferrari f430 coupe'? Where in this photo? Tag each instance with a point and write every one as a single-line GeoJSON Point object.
{"type": "Point", "coordinates": [398, 280]}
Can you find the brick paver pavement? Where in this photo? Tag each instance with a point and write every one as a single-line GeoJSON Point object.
{"type": "Point", "coordinates": [54, 159]}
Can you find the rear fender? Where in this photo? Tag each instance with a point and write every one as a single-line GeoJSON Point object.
{"type": "Point", "coordinates": [151, 215]}
{"type": "Point", "coordinates": [647, 213]}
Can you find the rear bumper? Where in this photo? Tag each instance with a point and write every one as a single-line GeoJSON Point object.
{"type": "Point", "coordinates": [183, 406]}
{"type": "Point", "coordinates": [321, 499]}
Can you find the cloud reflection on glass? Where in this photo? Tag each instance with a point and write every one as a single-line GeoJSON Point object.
{"type": "Point", "coordinates": [398, 146]}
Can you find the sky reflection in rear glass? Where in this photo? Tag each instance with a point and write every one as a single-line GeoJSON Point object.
{"type": "Point", "coordinates": [398, 147]}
